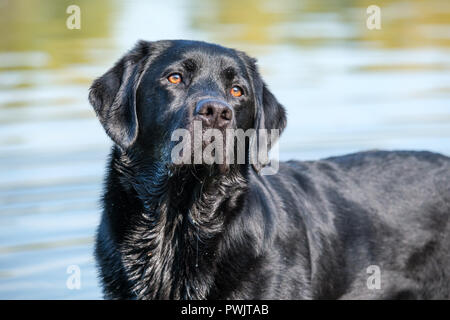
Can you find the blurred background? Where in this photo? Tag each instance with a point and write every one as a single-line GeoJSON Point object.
{"type": "Point", "coordinates": [346, 88]}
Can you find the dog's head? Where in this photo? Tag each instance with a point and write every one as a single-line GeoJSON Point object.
{"type": "Point", "coordinates": [159, 87]}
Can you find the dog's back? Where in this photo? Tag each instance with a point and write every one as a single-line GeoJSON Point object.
{"type": "Point", "coordinates": [386, 211]}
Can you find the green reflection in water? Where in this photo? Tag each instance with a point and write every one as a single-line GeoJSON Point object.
{"type": "Point", "coordinates": [40, 26]}
{"type": "Point", "coordinates": [405, 24]}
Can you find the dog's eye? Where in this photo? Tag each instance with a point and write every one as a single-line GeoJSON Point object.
{"type": "Point", "coordinates": [236, 91]}
{"type": "Point", "coordinates": [174, 78]}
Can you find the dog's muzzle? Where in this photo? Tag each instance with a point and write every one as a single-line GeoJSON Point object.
{"type": "Point", "coordinates": [214, 114]}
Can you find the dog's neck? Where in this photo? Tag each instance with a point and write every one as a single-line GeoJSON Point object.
{"type": "Point", "coordinates": [177, 227]}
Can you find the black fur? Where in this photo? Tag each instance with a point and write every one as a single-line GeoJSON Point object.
{"type": "Point", "coordinates": [308, 232]}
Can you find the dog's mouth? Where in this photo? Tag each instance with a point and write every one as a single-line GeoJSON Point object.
{"type": "Point", "coordinates": [210, 150]}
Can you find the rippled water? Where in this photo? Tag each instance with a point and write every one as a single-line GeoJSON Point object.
{"type": "Point", "coordinates": [346, 88]}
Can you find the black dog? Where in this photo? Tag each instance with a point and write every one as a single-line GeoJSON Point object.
{"type": "Point", "coordinates": [314, 230]}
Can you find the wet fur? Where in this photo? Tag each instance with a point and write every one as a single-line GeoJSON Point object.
{"type": "Point", "coordinates": [308, 232]}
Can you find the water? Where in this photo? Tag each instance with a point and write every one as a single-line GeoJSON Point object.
{"type": "Point", "coordinates": [346, 88]}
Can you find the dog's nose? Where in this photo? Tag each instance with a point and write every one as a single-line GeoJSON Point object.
{"type": "Point", "coordinates": [214, 113]}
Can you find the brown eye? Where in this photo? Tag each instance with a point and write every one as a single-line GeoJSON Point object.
{"type": "Point", "coordinates": [236, 91]}
{"type": "Point", "coordinates": [174, 78]}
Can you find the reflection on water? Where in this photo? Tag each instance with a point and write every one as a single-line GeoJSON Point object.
{"type": "Point", "coordinates": [346, 88]}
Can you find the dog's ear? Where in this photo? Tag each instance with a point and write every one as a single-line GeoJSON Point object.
{"type": "Point", "coordinates": [269, 113]}
{"type": "Point", "coordinates": [113, 95]}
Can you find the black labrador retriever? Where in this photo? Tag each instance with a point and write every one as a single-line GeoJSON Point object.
{"type": "Point", "coordinates": [370, 225]}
